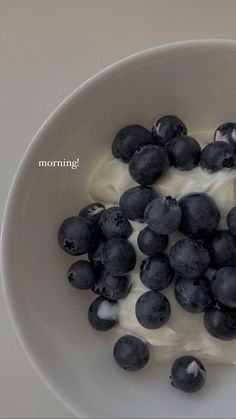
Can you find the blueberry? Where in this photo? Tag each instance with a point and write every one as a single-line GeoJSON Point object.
{"type": "Point", "coordinates": [184, 152]}
{"type": "Point", "coordinates": [113, 223]}
{"type": "Point", "coordinates": [168, 127]}
{"type": "Point", "coordinates": [223, 285]}
{"type": "Point", "coordinates": [221, 323]}
{"type": "Point", "coordinates": [156, 272]}
{"type": "Point", "coordinates": [77, 235]}
{"type": "Point", "coordinates": [92, 211]}
{"type": "Point", "coordinates": [96, 255]}
{"type": "Point", "coordinates": [112, 287]}
{"type": "Point", "coordinates": [222, 249]}
{"type": "Point", "coordinates": [200, 215]}
{"type": "Point", "coordinates": [103, 314]}
{"type": "Point", "coordinates": [119, 256]}
{"type": "Point", "coordinates": [188, 374]}
{"type": "Point", "coordinates": [134, 201]}
{"type": "Point", "coordinates": [128, 140]}
{"type": "Point", "coordinates": [194, 295]}
{"type": "Point", "coordinates": [189, 258]}
{"type": "Point", "coordinates": [227, 133]}
{"type": "Point", "coordinates": [151, 243]}
{"type": "Point", "coordinates": [163, 215]}
{"type": "Point", "coordinates": [82, 275]}
{"type": "Point", "coordinates": [217, 156]}
{"type": "Point", "coordinates": [131, 353]}
{"type": "Point", "coordinates": [148, 164]}
{"type": "Point", "coordinates": [152, 310]}
{"type": "Point", "coordinates": [231, 220]}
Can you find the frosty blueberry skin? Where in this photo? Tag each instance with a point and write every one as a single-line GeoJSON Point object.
{"type": "Point", "coordinates": [114, 223]}
{"type": "Point", "coordinates": [92, 211]}
{"type": "Point", "coordinates": [119, 256]}
{"type": "Point", "coordinates": [227, 133]}
{"type": "Point", "coordinates": [200, 215]}
{"type": "Point", "coordinates": [156, 272]}
{"type": "Point", "coordinates": [151, 243]}
{"type": "Point", "coordinates": [152, 310]}
{"type": "Point", "coordinates": [163, 215]}
{"type": "Point", "coordinates": [103, 314]}
{"type": "Point", "coordinates": [134, 201]}
{"type": "Point", "coordinates": [217, 156]}
{"type": "Point", "coordinates": [128, 139]}
{"type": "Point", "coordinates": [231, 220]}
{"type": "Point", "coordinates": [221, 323]}
{"type": "Point", "coordinates": [194, 295]}
{"type": "Point", "coordinates": [148, 164]}
{"type": "Point", "coordinates": [223, 285]}
{"type": "Point", "coordinates": [189, 258]}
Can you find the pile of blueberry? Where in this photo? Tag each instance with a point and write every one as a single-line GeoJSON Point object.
{"type": "Point", "coordinates": [103, 234]}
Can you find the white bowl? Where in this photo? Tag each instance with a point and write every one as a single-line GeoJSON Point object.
{"type": "Point", "coordinates": [196, 81]}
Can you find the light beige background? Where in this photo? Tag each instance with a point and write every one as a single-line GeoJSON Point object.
{"type": "Point", "coordinates": [47, 48]}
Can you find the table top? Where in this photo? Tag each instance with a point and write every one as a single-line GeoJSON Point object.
{"type": "Point", "coordinates": [48, 47]}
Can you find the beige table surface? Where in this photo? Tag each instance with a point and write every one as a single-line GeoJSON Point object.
{"type": "Point", "coordinates": [47, 48]}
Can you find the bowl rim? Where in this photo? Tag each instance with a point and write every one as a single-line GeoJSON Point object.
{"type": "Point", "coordinates": [137, 57]}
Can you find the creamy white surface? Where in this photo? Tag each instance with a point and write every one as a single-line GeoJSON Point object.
{"type": "Point", "coordinates": [107, 311]}
{"type": "Point", "coordinates": [185, 332]}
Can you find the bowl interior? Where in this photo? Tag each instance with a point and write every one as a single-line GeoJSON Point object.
{"type": "Point", "coordinates": [195, 81]}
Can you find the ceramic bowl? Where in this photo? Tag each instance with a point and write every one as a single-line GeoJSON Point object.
{"type": "Point", "coordinates": [194, 80]}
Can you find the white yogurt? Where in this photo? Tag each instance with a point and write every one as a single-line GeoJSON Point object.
{"type": "Point", "coordinates": [194, 369]}
{"type": "Point", "coordinates": [108, 311]}
{"type": "Point", "coordinates": [185, 332]}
